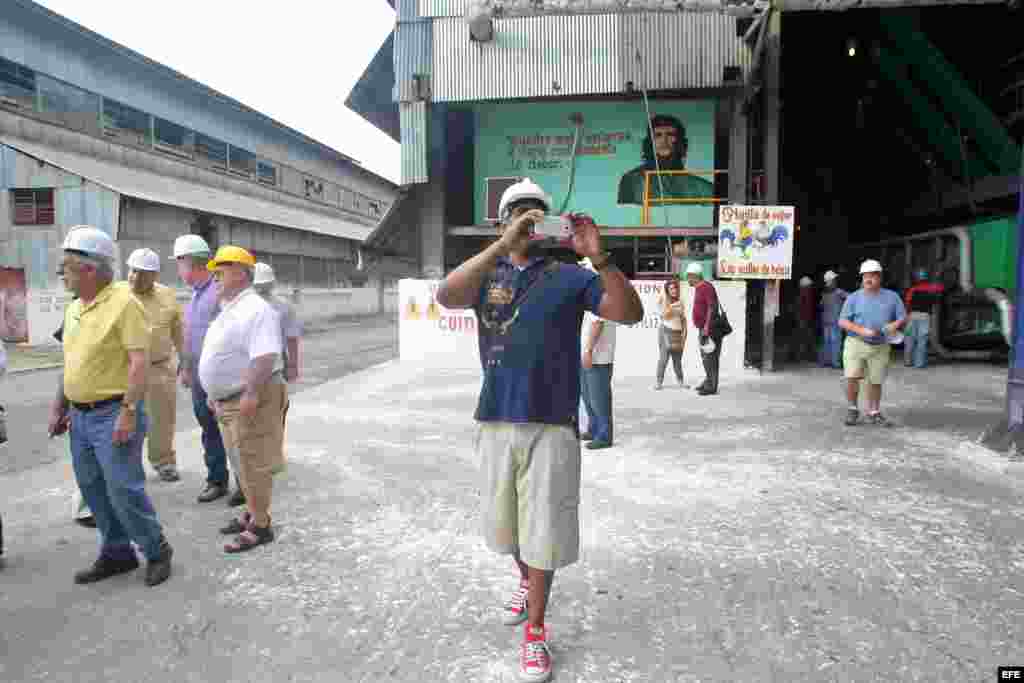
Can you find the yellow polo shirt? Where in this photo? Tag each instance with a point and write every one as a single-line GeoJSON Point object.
{"type": "Point", "coordinates": [97, 339]}
{"type": "Point", "coordinates": [165, 318]}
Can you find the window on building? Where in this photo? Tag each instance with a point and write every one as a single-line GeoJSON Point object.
{"type": "Point", "coordinates": [314, 187]}
{"type": "Point", "coordinates": [212, 150]}
{"type": "Point", "coordinates": [126, 123]}
{"type": "Point", "coordinates": [373, 208]}
{"type": "Point", "coordinates": [68, 105]}
{"type": "Point", "coordinates": [33, 207]}
{"type": "Point", "coordinates": [17, 85]}
{"type": "Point", "coordinates": [266, 173]}
{"type": "Point", "coordinates": [241, 161]}
{"type": "Point", "coordinates": [170, 137]}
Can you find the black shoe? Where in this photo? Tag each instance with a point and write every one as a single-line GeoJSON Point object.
{"type": "Point", "coordinates": [706, 392]}
{"type": "Point", "coordinates": [159, 570]}
{"type": "Point", "coordinates": [237, 498]}
{"type": "Point", "coordinates": [104, 568]}
{"type": "Point", "coordinates": [879, 420]}
{"type": "Point", "coordinates": [586, 436]}
{"type": "Point", "coordinates": [596, 445]}
{"type": "Point", "coordinates": [88, 522]}
{"type": "Point", "coordinates": [700, 387]}
{"type": "Point", "coordinates": [852, 417]}
{"type": "Point", "coordinates": [213, 492]}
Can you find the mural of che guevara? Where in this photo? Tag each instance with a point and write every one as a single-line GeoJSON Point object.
{"type": "Point", "coordinates": [670, 145]}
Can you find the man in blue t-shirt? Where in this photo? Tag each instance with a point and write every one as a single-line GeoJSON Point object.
{"type": "Point", "coordinates": [871, 316]}
{"type": "Point", "coordinates": [529, 310]}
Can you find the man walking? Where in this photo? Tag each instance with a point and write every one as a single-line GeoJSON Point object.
{"type": "Point", "coordinates": [832, 300]}
{"type": "Point", "coordinates": [530, 310]}
{"type": "Point", "coordinates": [921, 299]}
{"type": "Point", "coordinates": [192, 254]}
{"type": "Point", "coordinates": [705, 307]}
{"type": "Point", "coordinates": [166, 324]}
{"type": "Point", "coordinates": [241, 369]}
{"type": "Point", "coordinates": [596, 378]}
{"type": "Point", "coordinates": [106, 346]}
{"type": "Point", "coordinates": [870, 316]}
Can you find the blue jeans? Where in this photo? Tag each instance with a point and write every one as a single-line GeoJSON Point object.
{"type": "Point", "coordinates": [113, 482]}
{"type": "Point", "coordinates": [596, 389]}
{"type": "Point", "coordinates": [213, 445]}
{"type": "Point", "coordinates": [832, 348]}
{"type": "Point", "coordinates": [915, 342]}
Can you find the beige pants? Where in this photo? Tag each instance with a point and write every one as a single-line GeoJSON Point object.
{"type": "Point", "coordinates": [531, 492]}
{"type": "Point", "coordinates": [161, 407]}
{"type": "Point", "coordinates": [258, 443]}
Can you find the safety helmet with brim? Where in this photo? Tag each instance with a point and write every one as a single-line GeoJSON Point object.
{"type": "Point", "coordinates": [263, 274]}
{"type": "Point", "coordinates": [190, 245]}
{"type": "Point", "coordinates": [85, 239]}
{"type": "Point", "coordinates": [870, 266]}
{"type": "Point", "coordinates": [145, 260]}
{"type": "Point", "coordinates": [231, 254]}
{"type": "Point", "coordinates": [518, 193]}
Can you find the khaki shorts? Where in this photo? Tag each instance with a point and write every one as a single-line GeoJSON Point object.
{"type": "Point", "coordinates": [530, 480]}
{"type": "Point", "coordinates": [859, 356]}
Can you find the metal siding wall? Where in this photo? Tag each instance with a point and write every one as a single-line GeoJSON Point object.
{"type": "Point", "coordinates": [413, 116]}
{"type": "Point", "coordinates": [443, 8]}
{"type": "Point", "coordinates": [677, 51]}
{"type": "Point", "coordinates": [413, 54]}
{"type": "Point", "coordinates": [529, 57]}
{"type": "Point", "coordinates": [407, 10]}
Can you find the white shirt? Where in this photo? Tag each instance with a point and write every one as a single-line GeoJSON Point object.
{"type": "Point", "coordinates": [246, 328]}
{"type": "Point", "coordinates": [604, 349]}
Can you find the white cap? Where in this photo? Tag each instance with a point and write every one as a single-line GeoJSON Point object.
{"type": "Point", "coordinates": [190, 245]}
{"type": "Point", "coordinates": [830, 276]}
{"type": "Point", "coordinates": [262, 274]}
{"type": "Point", "coordinates": [524, 189]}
{"type": "Point", "coordinates": [144, 259]}
{"type": "Point", "coordinates": [89, 240]}
{"type": "Point", "coordinates": [806, 281]}
{"type": "Point", "coordinates": [695, 269]}
{"type": "Point", "coordinates": [870, 266]}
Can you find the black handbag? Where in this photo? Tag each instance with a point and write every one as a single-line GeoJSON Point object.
{"type": "Point", "coordinates": [720, 326]}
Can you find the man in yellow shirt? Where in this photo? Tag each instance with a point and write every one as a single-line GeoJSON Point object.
{"type": "Point", "coordinates": [166, 321]}
{"type": "Point", "coordinates": [106, 350]}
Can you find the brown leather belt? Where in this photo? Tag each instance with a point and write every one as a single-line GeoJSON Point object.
{"type": "Point", "coordinates": [86, 407]}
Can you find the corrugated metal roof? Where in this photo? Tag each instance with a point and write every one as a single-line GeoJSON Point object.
{"type": "Point", "coordinates": [558, 56]}
{"type": "Point", "coordinates": [529, 57]}
{"type": "Point", "coordinates": [443, 8]}
{"type": "Point", "coordinates": [414, 142]}
{"type": "Point", "coordinates": [677, 51]}
{"type": "Point", "coordinates": [160, 189]}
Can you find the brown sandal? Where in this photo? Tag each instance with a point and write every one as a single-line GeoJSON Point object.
{"type": "Point", "coordinates": [249, 539]}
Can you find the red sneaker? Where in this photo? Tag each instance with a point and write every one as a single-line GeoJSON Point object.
{"type": "Point", "coordinates": [535, 656]}
{"type": "Point", "coordinates": [514, 611]}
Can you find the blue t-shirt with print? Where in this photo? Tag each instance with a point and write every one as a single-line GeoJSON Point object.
{"type": "Point", "coordinates": [873, 311]}
{"type": "Point", "coordinates": [529, 335]}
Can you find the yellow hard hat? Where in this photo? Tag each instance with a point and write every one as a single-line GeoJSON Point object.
{"type": "Point", "coordinates": [230, 254]}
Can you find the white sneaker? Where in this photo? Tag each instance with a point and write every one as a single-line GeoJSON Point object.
{"type": "Point", "coordinates": [534, 657]}
{"type": "Point", "coordinates": [514, 611]}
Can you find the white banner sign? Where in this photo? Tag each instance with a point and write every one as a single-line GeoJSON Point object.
{"type": "Point", "coordinates": [444, 338]}
{"type": "Point", "coordinates": [756, 242]}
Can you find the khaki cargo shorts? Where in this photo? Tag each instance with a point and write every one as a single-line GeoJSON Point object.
{"type": "Point", "coordinates": [860, 357]}
{"type": "Point", "coordinates": [530, 492]}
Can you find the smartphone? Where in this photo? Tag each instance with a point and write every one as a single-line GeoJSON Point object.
{"type": "Point", "coordinates": [558, 227]}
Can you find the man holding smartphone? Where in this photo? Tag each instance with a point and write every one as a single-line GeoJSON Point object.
{"type": "Point", "coordinates": [530, 308]}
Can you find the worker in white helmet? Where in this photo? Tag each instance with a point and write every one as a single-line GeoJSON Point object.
{"type": "Point", "coordinates": [832, 300]}
{"type": "Point", "coordinates": [106, 350]}
{"type": "Point", "coordinates": [872, 317]}
{"type": "Point", "coordinates": [530, 308]}
{"type": "Point", "coordinates": [291, 329]}
{"type": "Point", "coordinates": [167, 322]}
{"type": "Point", "coordinates": [192, 254]}
{"type": "Point", "coordinates": [807, 317]}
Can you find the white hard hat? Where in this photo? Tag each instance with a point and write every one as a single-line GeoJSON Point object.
{"type": "Point", "coordinates": [144, 259]}
{"type": "Point", "coordinates": [190, 245]}
{"type": "Point", "coordinates": [806, 281]}
{"type": "Point", "coordinates": [262, 274]}
{"type": "Point", "coordinates": [870, 266]}
{"type": "Point", "coordinates": [830, 275]}
{"type": "Point", "coordinates": [89, 240]}
{"type": "Point", "coordinates": [524, 189]}
{"type": "Point", "coordinates": [695, 269]}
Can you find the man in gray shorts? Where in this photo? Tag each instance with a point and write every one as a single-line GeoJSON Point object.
{"type": "Point", "coordinates": [530, 309]}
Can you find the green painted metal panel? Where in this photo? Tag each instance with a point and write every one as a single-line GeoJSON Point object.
{"type": "Point", "coordinates": [946, 83]}
{"type": "Point", "coordinates": [994, 243]}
